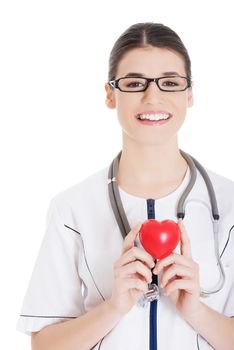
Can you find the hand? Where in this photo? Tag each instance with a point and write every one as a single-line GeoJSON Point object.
{"type": "Point", "coordinates": [180, 277]}
{"type": "Point", "coordinates": [132, 272]}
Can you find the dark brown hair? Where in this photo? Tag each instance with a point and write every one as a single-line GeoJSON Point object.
{"type": "Point", "coordinates": [142, 35]}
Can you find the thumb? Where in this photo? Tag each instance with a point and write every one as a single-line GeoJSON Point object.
{"type": "Point", "coordinates": [130, 238]}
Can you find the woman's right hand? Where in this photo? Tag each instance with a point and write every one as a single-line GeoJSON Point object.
{"type": "Point", "coordinates": [132, 272]}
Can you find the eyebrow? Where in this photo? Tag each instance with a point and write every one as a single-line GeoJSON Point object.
{"type": "Point", "coordinates": [134, 74]}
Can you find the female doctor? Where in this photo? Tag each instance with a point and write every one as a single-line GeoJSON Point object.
{"type": "Point", "coordinates": [85, 288]}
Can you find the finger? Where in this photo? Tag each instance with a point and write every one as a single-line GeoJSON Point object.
{"type": "Point", "coordinates": [135, 254]}
{"type": "Point", "coordinates": [172, 259]}
{"type": "Point", "coordinates": [133, 283]}
{"type": "Point", "coordinates": [135, 267]}
{"type": "Point", "coordinates": [176, 271]}
{"type": "Point", "coordinates": [185, 247]}
{"type": "Point", "coordinates": [130, 238]}
{"type": "Point", "coordinates": [180, 284]}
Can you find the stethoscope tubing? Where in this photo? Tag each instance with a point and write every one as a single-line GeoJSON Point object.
{"type": "Point", "coordinates": [194, 165]}
{"type": "Point", "coordinates": [115, 199]}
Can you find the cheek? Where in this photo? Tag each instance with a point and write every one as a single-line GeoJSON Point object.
{"type": "Point", "coordinates": [126, 106]}
{"type": "Point", "coordinates": [180, 105]}
{"type": "Point", "coordinates": [124, 101]}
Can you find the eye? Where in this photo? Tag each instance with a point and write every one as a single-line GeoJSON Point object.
{"type": "Point", "coordinates": [170, 83]}
{"type": "Point", "coordinates": [173, 83]}
{"type": "Point", "coordinates": [134, 84]}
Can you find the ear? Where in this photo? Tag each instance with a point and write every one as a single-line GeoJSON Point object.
{"type": "Point", "coordinates": [190, 97]}
{"type": "Point", "coordinates": [110, 98]}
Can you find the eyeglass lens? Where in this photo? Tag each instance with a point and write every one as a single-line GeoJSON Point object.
{"type": "Point", "coordinates": [139, 84]}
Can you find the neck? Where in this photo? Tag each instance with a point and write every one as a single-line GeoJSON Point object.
{"type": "Point", "coordinates": [144, 165]}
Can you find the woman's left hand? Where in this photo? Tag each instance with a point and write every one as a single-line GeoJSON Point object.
{"type": "Point", "coordinates": [179, 276]}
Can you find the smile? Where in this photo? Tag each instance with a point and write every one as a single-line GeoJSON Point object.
{"type": "Point", "coordinates": [154, 117]}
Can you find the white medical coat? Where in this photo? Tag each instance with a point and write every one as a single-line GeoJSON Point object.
{"type": "Point", "coordinates": [74, 269]}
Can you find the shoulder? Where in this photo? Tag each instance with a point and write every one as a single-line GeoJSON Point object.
{"type": "Point", "coordinates": [224, 192]}
{"type": "Point", "coordinates": [223, 186]}
{"type": "Point", "coordinates": [82, 196]}
{"type": "Point", "coordinates": [87, 188]}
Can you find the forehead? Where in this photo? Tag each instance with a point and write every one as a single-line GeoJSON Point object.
{"type": "Point", "coordinates": [151, 62]}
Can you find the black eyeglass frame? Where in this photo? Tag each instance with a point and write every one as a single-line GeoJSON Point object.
{"type": "Point", "coordinates": [115, 83]}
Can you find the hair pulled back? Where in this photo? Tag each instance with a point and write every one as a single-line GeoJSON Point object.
{"type": "Point", "coordinates": [147, 34]}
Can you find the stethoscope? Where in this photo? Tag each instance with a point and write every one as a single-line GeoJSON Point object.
{"type": "Point", "coordinates": [121, 218]}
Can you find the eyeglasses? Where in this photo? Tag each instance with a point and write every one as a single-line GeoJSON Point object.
{"type": "Point", "coordinates": [138, 84]}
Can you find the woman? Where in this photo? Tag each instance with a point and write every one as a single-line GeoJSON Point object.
{"type": "Point", "coordinates": [87, 284]}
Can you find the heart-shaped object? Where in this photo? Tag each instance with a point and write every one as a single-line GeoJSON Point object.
{"type": "Point", "coordinates": [159, 238]}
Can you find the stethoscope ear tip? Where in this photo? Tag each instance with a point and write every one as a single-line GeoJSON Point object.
{"type": "Point", "coordinates": [180, 216]}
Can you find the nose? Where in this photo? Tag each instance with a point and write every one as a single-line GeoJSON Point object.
{"type": "Point", "coordinates": [152, 94]}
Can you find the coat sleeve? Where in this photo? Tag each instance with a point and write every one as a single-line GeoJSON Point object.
{"type": "Point", "coordinates": [54, 293]}
{"type": "Point", "coordinates": [229, 304]}
{"type": "Point", "coordinates": [229, 272]}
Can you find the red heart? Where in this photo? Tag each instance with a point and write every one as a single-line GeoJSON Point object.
{"type": "Point", "coordinates": [159, 239]}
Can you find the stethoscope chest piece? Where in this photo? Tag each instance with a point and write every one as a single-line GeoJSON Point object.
{"type": "Point", "coordinates": [152, 294]}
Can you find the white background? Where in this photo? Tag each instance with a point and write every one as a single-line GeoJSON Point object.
{"type": "Point", "coordinates": [55, 128]}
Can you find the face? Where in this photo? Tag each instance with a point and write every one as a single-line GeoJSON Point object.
{"type": "Point", "coordinates": [151, 62]}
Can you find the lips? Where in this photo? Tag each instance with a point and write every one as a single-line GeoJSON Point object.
{"type": "Point", "coordinates": [154, 116]}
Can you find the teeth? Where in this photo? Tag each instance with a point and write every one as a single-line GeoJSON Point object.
{"type": "Point", "coordinates": [160, 116]}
